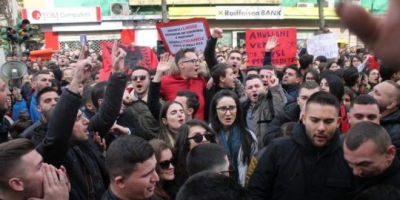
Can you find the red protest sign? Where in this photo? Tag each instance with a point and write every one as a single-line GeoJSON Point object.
{"type": "Point", "coordinates": [283, 54]}
{"type": "Point", "coordinates": [190, 33]}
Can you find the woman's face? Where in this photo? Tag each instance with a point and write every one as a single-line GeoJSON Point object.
{"type": "Point", "coordinates": [346, 100]}
{"type": "Point", "coordinates": [356, 62]}
{"type": "Point", "coordinates": [175, 117]}
{"type": "Point", "coordinates": [310, 77]}
{"type": "Point", "coordinates": [334, 67]}
{"type": "Point", "coordinates": [226, 110]}
{"type": "Point", "coordinates": [166, 165]}
{"type": "Point", "coordinates": [324, 85]}
{"type": "Point", "coordinates": [194, 132]}
{"type": "Point", "coordinates": [347, 63]}
{"type": "Point", "coordinates": [373, 76]}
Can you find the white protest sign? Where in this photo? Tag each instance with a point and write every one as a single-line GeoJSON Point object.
{"type": "Point", "coordinates": [192, 33]}
{"type": "Point", "coordinates": [323, 45]}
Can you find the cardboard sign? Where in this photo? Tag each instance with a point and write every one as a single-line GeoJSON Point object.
{"type": "Point", "coordinates": [191, 33]}
{"type": "Point", "coordinates": [323, 45]}
{"type": "Point", "coordinates": [283, 54]}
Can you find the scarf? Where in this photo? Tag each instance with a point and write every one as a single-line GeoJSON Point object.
{"type": "Point", "coordinates": [232, 147]}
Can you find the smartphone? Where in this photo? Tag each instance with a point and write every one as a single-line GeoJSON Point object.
{"type": "Point", "coordinates": [83, 39]}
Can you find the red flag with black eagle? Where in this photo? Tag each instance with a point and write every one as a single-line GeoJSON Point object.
{"type": "Point", "coordinates": [135, 56]}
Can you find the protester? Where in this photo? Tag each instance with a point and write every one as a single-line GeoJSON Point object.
{"type": "Point", "coordinates": [165, 168]}
{"type": "Point", "coordinates": [139, 98]}
{"type": "Point", "coordinates": [171, 118]}
{"type": "Point", "coordinates": [311, 157]}
{"type": "Point", "coordinates": [291, 112]}
{"type": "Point", "coordinates": [20, 125]}
{"type": "Point", "coordinates": [24, 175]}
{"type": "Point", "coordinates": [387, 94]}
{"type": "Point", "coordinates": [291, 82]}
{"type": "Point", "coordinates": [131, 166]}
{"type": "Point", "coordinates": [189, 101]}
{"type": "Point", "coordinates": [369, 152]}
{"type": "Point", "coordinates": [210, 185]}
{"type": "Point", "coordinates": [260, 105]}
{"type": "Point", "coordinates": [72, 145]}
{"type": "Point", "coordinates": [227, 119]}
{"type": "Point", "coordinates": [208, 157]}
{"type": "Point", "coordinates": [364, 108]}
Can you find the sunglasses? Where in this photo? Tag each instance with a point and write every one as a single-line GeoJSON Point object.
{"type": "Point", "coordinates": [198, 137]}
{"type": "Point", "coordinates": [164, 165]}
{"type": "Point", "coordinates": [135, 78]}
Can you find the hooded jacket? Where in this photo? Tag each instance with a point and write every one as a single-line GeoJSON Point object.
{"type": "Point", "coordinates": [293, 168]}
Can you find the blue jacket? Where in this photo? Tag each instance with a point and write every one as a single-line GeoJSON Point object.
{"type": "Point", "coordinates": [33, 112]}
{"type": "Point", "coordinates": [19, 106]}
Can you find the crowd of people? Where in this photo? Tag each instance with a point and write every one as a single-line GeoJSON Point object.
{"type": "Point", "coordinates": [202, 126]}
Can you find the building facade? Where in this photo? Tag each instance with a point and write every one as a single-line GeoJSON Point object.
{"type": "Point", "coordinates": [133, 21]}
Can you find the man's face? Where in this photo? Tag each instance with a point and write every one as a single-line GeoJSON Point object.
{"type": "Point", "coordinates": [62, 60]}
{"type": "Point", "coordinates": [229, 80]}
{"type": "Point", "coordinates": [42, 81]}
{"type": "Point", "coordinates": [265, 75]}
{"type": "Point", "coordinates": [140, 81]}
{"type": "Point", "coordinates": [183, 100]}
{"type": "Point", "coordinates": [4, 92]}
{"type": "Point", "coordinates": [9, 58]}
{"type": "Point", "coordinates": [367, 160]}
{"type": "Point", "coordinates": [24, 58]}
{"type": "Point", "coordinates": [253, 89]}
{"type": "Point", "coordinates": [304, 94]}
{"type": "Point", "coordinates": [94, 56]}
{"type": "Point", "coordinates": [290, 77]}
{"type": "Point", "coordinates": [221, 59]}
{"type": "Point", "coordinates": [28, 63]}
{"type": "Point", "coordinates": [189, 65]}
{"type": "Point", "coordinates": [79, 131]}
{"type": "Point", "coordinates": [360, 113]}
{"type": "Point", "coordinates": [235, 60]}
{"type": "Point", "coordinates": [225, 170]}
{"type": "Point", "coordinates": [321, 122]}
{"type": "Point", "coordinates": [46, 103]}
{"type": "Point", "coordinates": [142, 182]}
{"type": "Point", "coordinates": [32, 176]}
{"type": "Point", "coordinates": [382, 93]}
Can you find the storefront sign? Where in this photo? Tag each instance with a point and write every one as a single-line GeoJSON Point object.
{"type": "Point", "coordinates": [283, 54]}
{"type": "Point", "coordinates": [249, 12]}
{"type": "Point", "coordinates": [62, 15]}
{"type": "Point", "coordinates": [191, 33]}
{"type": "Point", "coordinates": [323, 45]}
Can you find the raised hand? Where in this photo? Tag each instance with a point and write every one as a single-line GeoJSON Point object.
{"type": "Point", "coordinates": [118, 58]}
{"type": "Point", "coordinates": [165, 63]}
{"type": "Point", "coordinates": [273, 80]}
{"type": "Point", "coordinates": [271, 43]}
{"type": "Point", "coordinates": [100, 142]}
{"type": "Point", "coordinates": [82, 70]}
{"type": "Point", "coordinates": [380, 34]}
{"type": "Point", "coordinates": [55, 184]}
{"type": "Point", "coordinates": [217, 33]}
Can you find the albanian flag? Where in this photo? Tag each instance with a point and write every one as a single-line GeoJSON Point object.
{"type": "Point", "coordinates": [135, 56]}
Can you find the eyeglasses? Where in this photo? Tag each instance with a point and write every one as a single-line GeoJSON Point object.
{"type": "Point", "coordinates": [229, 172]}
{"type": "Point", "coordinates": [198, 137]}
{"type": "Point", "coordinates": [194, 61]}
{"type": "Point", "coordinates": [135, 78]}
{"type": "Point", "coordinates": [224, 110]}
{"type": "Point", "coordinates": [164, 165]}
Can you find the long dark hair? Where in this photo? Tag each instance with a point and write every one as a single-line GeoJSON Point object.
{"type": "Point", "coordinates": [336, 86]}
{"type": "Point", "coordinates": [183, 146]}
{"type": "Point", "coordinates": [166, 133]}
{"type": "Point", "coordinates": [159, 146]}
{"type": "Point", "coordinates": [246, 139]}
{"type": "Point", "coordinates": [314, 73]}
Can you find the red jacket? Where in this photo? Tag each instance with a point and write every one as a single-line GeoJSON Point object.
{"type": "Point", "coordinates": [171, 84]}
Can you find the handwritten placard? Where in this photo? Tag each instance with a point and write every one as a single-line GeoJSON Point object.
{"type": "Point", "coordinates": [323, 45]}
{"type": "Point", "coordinates": [283, 54]}
{"type": "Point", "coordinates": [191, 33]}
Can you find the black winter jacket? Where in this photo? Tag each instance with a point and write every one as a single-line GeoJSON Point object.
{"type": "Point", "coordinates": [289, 113]}
{"type": "Point", "coordinates": [391, 123]}
{"type": "Point", "coordinates": [292, 168]}
{"type": "Point", "coordinates": [109, 195]}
